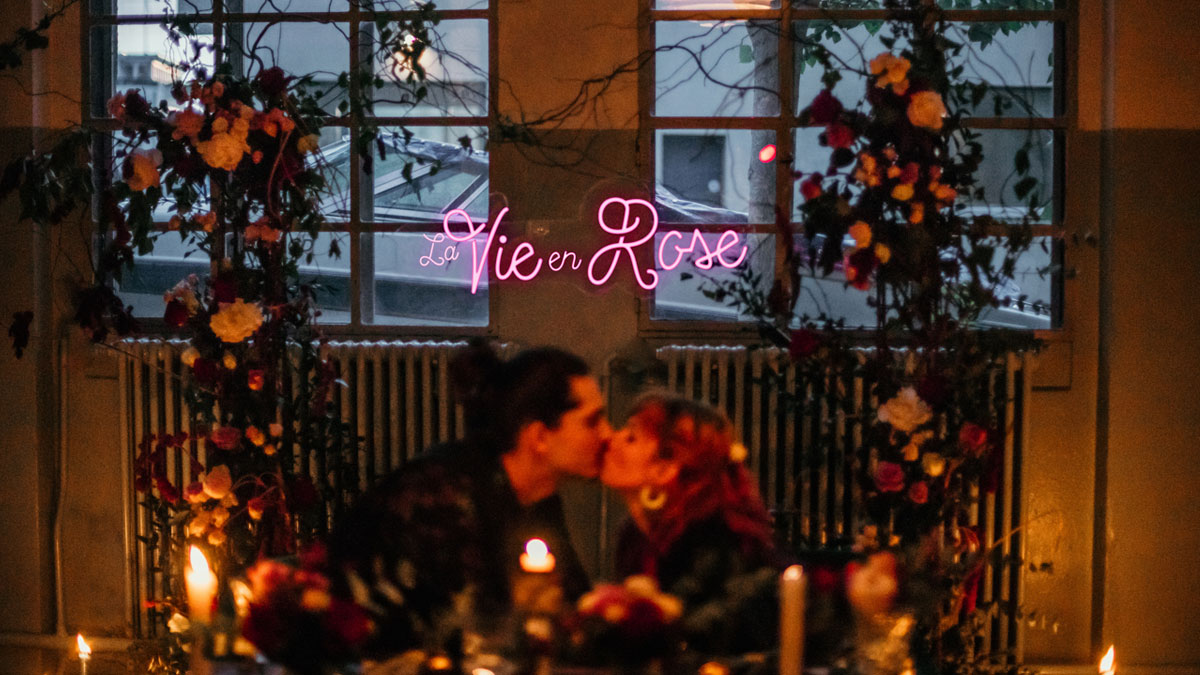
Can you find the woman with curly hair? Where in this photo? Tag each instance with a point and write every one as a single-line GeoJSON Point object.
{"type": "Point", "coordinates": [696, 522]}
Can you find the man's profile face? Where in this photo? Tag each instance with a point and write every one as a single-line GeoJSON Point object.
{"type": "Point", "coordinates": [576, 445]}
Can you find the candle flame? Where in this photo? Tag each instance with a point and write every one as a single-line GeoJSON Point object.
{"type": "Point", "coordinates": [1106, 663]}
{"type": "Point", "coordinates": [536, 548]}
{"type": "Point", "coordinates": [793, 572]}
{"type": "Point", "coordinates": [199, 562]}
{"type": "Point", "coordinates": [84, 650]}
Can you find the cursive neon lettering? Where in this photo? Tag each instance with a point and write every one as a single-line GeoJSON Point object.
{"type": "Point", "coordinates": [619, 217]}
{"type": "Point", "coordinates": [626, 227]}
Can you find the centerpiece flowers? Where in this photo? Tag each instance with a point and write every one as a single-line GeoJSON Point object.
{"type": "Point", "coordinates": [897, 212]}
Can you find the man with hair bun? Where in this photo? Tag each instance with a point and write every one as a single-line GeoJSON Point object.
{"type": "Point", "coordinates": [457, 519]}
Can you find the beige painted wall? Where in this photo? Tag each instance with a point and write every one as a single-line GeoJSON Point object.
{"type": "Point", "coordinates": [1151, 605]}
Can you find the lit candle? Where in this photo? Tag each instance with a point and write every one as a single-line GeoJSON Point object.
{"type": "Point", "coordinates": [85, 653]}
{"type": "Point", "coordinates": [1108, 664]}
{"type": "Point", "coordinates": [201, 588]}
{"type": "Point", "coordinates": [537, 557]}
{"type": "Point", "coordinates": [791, 620]}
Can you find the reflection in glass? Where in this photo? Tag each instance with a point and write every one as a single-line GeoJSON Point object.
{"type": "Point", "coordinates": [425, 279]}
{"type": "Point", "coordinates": [709, 68]}
{"type": "Point", "coordinates": [714, 176]}
{"type": "Point", "coordinates": [688, 293]}
{"type": "Point", "coordinates": [455, 66]}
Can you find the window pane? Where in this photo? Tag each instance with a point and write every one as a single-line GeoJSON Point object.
{"type": "Point", "coordinates": [680, 294]}
{"type": "Point", "coordinates": [714, 176]}
{"type": "Point", "coordinates": [710, 68]}
{"type": "Point", "coordinates": [1000, 181]}
{"type": "Point", "coordinates": [716, 4]}
{"type": "Point", "coordinates": [153, 275]}
{"type": "Point", "coordinates": [311, 6]}
{"type": "Point", "coordinates": [1015, 59]}
{"type": "Point", "coordinates": [328, 273]}
{"type": "Point", "coordinates": [149, 61]}
{"type": "Point", "coordinates": [1026, 299]}
{"type": "Point", "coordinates": [455, 66]}
{"type": "Point", "coordinates": [320, 50]}
{"type": "Point", "coordinates": [442, 174]}
{"type": "Point", "coordinates": [151, 7]}
{"type": "Point", "coordinates": [946, 4]}
{"type": "Point", "coordinates": [424, 279]}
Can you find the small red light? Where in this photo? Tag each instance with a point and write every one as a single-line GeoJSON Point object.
{"type": "Point", "coordinates": [767, 153]}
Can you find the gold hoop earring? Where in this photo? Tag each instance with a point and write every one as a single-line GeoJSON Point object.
{"type": "Point", "coordinates": [652, 498]}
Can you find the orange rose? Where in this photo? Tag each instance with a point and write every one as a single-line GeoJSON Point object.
{"type": "Point", "coordinates": [926, 110]}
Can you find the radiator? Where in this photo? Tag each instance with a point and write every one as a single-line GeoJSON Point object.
{"type": "Point", "coordinates": [809, 486]}
{"type": "Point", "coordinates": [397, 400]}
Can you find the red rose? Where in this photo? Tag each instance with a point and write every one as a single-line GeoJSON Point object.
{"type": "Point", "coordinates": [824, 108]}
{"type": "Point", "coordinates": [226, 438]}
{"type": "Point", "coordinates": [176, 315]}
{"type": "Point", "coordinates": [347, 623]}
{"type": "Point", "coordinates": [255, 378]}
{"type": "Point", "coordinates": [135, 105]}
{"type": "Point", "coordinates": [205, 371]}
{"type": "Point", "coordinates": [973, 439]}
{"type": "Point", "coordinates": [889, 477]}
{"type": "Point", "coordinates": [859, 266]}
{"type": "Point", "coordinates": [919, 493]}
{"type": "Point", "coordinates": [224, 290]}
{"type": "Point", "coordinates": [839, 136]}
{"type": "Point", "coordinates": [811, 188]}
{"type": "Point", "coordinates": [910, 174]}
{"type": "Point", "coordinates": [168, 492]}
{"type": "Point", "coordinates": [643, 618]}
{"type": "Point", "coordinates": [804, 343]}
{"type": "Point", "coordinates": [273, 81]}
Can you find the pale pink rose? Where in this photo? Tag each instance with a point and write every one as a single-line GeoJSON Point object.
{"type": "Point", "coordinates": [906, 411]}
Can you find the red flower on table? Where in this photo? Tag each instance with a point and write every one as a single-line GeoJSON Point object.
{"type": "Point", "coordinates": [918, 493]}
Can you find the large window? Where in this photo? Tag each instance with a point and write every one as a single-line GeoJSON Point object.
{"type": "Point", "coordinates": [721, 103]}
{"type": "Point", "coordinates": [382, 263]}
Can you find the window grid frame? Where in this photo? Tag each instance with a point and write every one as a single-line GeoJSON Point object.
{"type": "Point", "coordinates": [1062, 123]}
{"type": "Point", "coordinates": [97, 86]}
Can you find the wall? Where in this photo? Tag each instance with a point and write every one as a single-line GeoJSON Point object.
{"type": "Point", "coordinates": [1107, 394]}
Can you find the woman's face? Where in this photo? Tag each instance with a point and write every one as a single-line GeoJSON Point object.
{"type": "Point", "coordinates": [631, 458]}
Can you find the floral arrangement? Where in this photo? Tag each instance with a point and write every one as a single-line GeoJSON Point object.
{"type": "Point", "coordinates": [291, 617]}
{"type": "Point", "coordinates": [627, 623]}
{"type": "Point", "coordinates": [890, 212]}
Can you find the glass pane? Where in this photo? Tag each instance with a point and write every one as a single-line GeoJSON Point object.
{"type": "Point", "coordinates": [716, 4]}
{"type": "Point", "coordinates": [1007, 192]}
{"type": "Point", "coordinates": [441, 5]}
{"type": "Point", "coordinates": [151, 7]}
{"type": "Point", "coordinates": [320, 50]}
{"type": "Point", "coordinates": [997, 4]}
{"type": "Point", "coordinates": [305, 6]}
{"type": "Point", "coordinates": [334, 161]}
{"type": "Point", "coordinates": [715, 175]}
{"type": "Point", "coordinates": [425, 279]}
{"type": "Point", "coordinates": [716, 68]}
{"type": "Point", "coordinates": [851, 44]}
{"type": "Point", "coordinates": [1015, 60]}
{"type": "Point", "coordinates": [328, 272]}
{"type": "Point", "coordinates": [1026, 299]}
{"type": "Point", "coordinates": [442, 175]}
{"type": "Point", "coordinates": [681, 292]}
{"type": "Point", "coordinates": [946, 4]}
{"type": "Point", "coordinates": [149, 61]}
{"type": "Point", "coordinates": [153, 275]}
{"type": "Point", "coordinates": [455, 66]}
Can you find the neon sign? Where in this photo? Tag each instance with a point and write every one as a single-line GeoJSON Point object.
{"type": "Point", "coordinates": [615, 216]}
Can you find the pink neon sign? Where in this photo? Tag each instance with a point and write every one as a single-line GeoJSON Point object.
{"type": "Point", "coordinates": [616, 216]}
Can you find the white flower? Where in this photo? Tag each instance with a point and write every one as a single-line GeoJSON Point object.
{"type": "Point", "coordinates": [906, 411]}
{"type": "Point", "coordinates": [178, 623]}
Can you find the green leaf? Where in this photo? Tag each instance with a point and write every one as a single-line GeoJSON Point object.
{"type": "Point", "coordinates": [745, 54]}
{"type": "Point", "coordinates": [1024, 186]}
